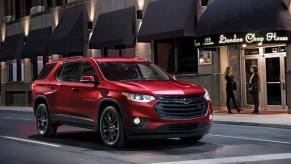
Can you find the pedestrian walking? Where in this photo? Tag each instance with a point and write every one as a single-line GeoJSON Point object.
{"type": "Point", "coordinates": [230, 87]}
{"type": "Point", "coordinates": [254, 85]}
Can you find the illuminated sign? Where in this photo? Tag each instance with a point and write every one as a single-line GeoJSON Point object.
{"type": "Point", "coordinates": [252, 51]}
{"type": "Point", "coordinates": [275, 49]}
{"type": "Point", "coordinates": [223, 39]}
{"type": "Point", "coordinates": [242, 38]}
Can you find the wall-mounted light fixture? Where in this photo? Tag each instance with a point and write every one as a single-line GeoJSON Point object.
{"type": "Point", "coordinates": [244, 45]}
{"type": "Point", "coordinates": [24, 39]}
{"type": "Point", "coordinates": [139, 14]}
{"type": "Point", "coordinates": [260, 44]}
{"type": "Point", "coordinates": [90, 26]}
{"type": "Point", "coordinates": [204, 2]}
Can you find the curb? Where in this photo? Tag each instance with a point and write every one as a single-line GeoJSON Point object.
{"type": "Point", "coordinates": [254, 124]}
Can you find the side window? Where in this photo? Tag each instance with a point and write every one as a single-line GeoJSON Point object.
{"type": "Point", "coordinates": [87, 69]}
{"type": "Point", "coordinates": [46, 71]}
{"type": "Point", "coordinates": [69, 72]}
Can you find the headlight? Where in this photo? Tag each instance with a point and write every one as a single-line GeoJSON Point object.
{"type": "Point", "coordinates": [138, 97]}
{"type": "Point", "coordinates": [206, 95]}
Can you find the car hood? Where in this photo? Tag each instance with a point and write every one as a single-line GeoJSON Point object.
{"type": "Point", "coordinates": [174, 87]}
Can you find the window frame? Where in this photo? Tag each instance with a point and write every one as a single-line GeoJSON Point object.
{"type": "Point", "coordinates": [79, 64]}
{"type": "Point", "coordinates": [47, 65]}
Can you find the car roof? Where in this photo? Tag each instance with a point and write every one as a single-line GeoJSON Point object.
{"type": "Point", "coordinates": [119, 59]}
{"type": "Point", "coordinates": [100, 59]}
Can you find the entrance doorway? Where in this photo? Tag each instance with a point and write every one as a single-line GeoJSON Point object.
{"type": "Point", "coordinates": [271, 62]}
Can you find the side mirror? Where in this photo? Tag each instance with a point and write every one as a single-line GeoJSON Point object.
{"type": "Point", "coordinates": [173, 76]}
{"type": "Point", "coordinates": [88, 80]}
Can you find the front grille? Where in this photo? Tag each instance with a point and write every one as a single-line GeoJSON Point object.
{"type": "Point", "coordinates": [181, 107]}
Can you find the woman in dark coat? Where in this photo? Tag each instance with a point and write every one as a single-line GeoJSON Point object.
{"type": "Point", "coordinates": [254, 85]}
{"type": "Point", "coordinates": [230, 86]}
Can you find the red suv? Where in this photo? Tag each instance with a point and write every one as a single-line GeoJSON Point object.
{"type": "Point", "coordinates": [122, 98]}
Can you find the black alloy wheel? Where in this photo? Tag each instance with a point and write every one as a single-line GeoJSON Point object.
{"type": "Point", "coordinates": [43, 122]}
{"type": "Point", "coordinates": [111, 128]}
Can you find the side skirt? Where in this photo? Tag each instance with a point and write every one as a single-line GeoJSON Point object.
{"type": "Point", "coordinates": [63, 119]}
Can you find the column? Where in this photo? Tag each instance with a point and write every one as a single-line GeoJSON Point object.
{"type": "Point", "coordinates": [223, 64]}
{"type": "Point", "coordinates": [3, 72]}
{"type": "Point", "coordinates": [143, 50]}
{"type": "Point", "coordinates": [27, 70]}
{"type": "Point", "coordinates": [288, 77]}
{"type": "Point", "coordinates": [3, 80]}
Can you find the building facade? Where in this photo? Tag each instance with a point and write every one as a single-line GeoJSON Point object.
{"type": "Point", "coordinates": [167, 32]}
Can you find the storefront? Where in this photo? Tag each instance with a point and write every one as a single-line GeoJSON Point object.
{"type": "Point", "coordinates": [246, 33]}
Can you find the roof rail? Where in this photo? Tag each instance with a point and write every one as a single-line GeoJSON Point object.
{"type": "Point", "coordinates": [73, 57]}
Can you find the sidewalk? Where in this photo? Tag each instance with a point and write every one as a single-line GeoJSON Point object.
{"type": "Point", "coordinates": [264, 119]}
{"type": "Point", "coordinates": [16, 108]}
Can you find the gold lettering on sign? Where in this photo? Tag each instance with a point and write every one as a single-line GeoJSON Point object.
{"type": "Point", "coordinates": [273, 37]}
{"type": "Point", "coordinates": [208, 41]}
{"type": "Point", "coordinates": [223, 39]}
{"type": "Point", "coordinates": [251, 37]}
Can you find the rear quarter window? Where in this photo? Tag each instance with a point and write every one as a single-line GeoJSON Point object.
{"type": "Point", "coordinates": [46, 71]}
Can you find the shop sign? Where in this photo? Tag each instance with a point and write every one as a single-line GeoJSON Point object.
{"type": "Point", "coordinates": [242, 38]}
{"type": "Point", "coordinates": [279, 49]}
{"type": "Point", "coordinates": [252, 51]}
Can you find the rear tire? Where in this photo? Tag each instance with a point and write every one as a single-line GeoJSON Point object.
{"type": "Point", "coordinates": [44, 125]}
{"type": "Point", "coordinates": [111, 128]}
{"type": "Point", "coordinates": [191, 139]}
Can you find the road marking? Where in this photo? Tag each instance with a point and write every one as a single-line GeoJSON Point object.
{"type": "Point", "coordinates": [13, 118]}
{"type": "Point", "coordinates": [253, 158]}
{"type": "Point", "coordinates": [252, 139]}
{"type": "Point", "coordinates": [30, 141]}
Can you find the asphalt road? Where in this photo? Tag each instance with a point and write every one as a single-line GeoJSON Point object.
{"type": "Point", "coordinates": [19, 143]}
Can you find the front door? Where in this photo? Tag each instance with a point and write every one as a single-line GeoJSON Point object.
{"type": "Point", "coordinates": [274, 85]}
{"type": "Point", "coordinates": [272, 68]}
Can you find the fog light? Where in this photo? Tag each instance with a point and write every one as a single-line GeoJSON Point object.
{"type": "Point", "coordinates": [136, 120]}
{"type": "Point", "coordinates": [211, 117]}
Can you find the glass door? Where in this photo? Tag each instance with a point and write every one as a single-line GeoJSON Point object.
{"type": "Point", "coordinates": [274, 85]}
{"type": "Point", "coordinates": [271, 69]}
{"type": "Point", "coordinates": [273, 81]}
{"type": "Point", "coordinates": [248, 63]}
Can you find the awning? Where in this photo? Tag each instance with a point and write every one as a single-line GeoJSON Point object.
{"type": "Point", "coordinates": [114, 30]}
{"type": "Point", "coordinates": [68, 36]}
{"type": "Point", "coordinates": [12, 47]}
{"type": "Point", "coordinates": [36, 43]}
{"type": "Point", "coordinates": [166, 19]}
{"type": "Point", "coordinates": [244, 16]}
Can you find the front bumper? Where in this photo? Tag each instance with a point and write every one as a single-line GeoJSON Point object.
{"type": "Point", "coordinates": [169, 131]}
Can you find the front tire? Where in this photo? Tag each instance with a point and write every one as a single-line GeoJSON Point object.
{"type": "Point", "coordinates": [44, 125]}
{"type": "Point", "coordinates": [111, 128]}
{"type": "Point", "coordinates": [191, 139]}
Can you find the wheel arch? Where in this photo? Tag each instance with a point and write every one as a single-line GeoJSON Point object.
{"type": "Point", "coordinates": [105, 102]}
{"type": "Point", "coordinates": [39, 99]}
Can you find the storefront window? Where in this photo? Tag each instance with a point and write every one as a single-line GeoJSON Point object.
{"type": "Point", "coordinates": [205, 57]}
{"type": "Point", "coordinates": [15, 70]}
{"type": "Point", "coordinates": [177, 55]}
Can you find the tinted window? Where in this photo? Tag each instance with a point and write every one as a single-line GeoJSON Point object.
{"type": "Point", "coordinates": [87, 69]}
{"type": "Point", "coordinates": [46, 71]}
{"type": "Point", "coordinates": [132, 71]}
{"type": "Point", "coordinates": [69, 72]}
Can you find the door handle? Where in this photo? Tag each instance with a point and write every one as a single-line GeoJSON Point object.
{"type": "Point", "coordinates": [75, 89]}
{"type": "Point", "coordinates": [52, 87]}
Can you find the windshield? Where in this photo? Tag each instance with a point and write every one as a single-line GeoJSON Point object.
{"type": "Point", "coordinates": [132, 71]}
